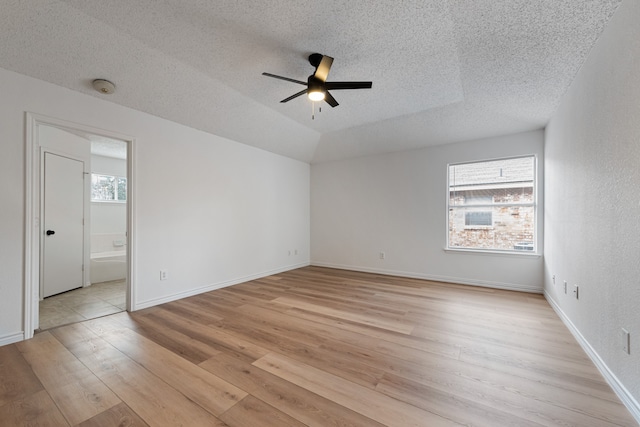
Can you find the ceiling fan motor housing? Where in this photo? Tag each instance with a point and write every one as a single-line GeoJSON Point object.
{"type": "Point", "coordinates": [315, 59]}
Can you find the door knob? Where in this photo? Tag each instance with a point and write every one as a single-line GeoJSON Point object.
{"type": "Point", "coordinates": [50, 232]}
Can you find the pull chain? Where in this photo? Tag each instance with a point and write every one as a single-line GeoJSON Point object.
{"type": "Point", "coordinates": [313, 110]}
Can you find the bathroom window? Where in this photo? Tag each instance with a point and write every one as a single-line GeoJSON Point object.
{"type": "Point", "coordinates": [108, 188]}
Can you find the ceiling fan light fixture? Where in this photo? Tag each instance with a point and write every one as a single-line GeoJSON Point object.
{"type": "Point", "coordinates": [316, 95]}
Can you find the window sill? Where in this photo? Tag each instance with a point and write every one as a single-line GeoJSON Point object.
{"type": "Point", "coordinates": [488, 252]}
{"type": "Point", "coordinates": [110, 202]}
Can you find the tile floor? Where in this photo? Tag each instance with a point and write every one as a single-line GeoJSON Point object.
{"type": "Point", "coordinates": [99, 299]}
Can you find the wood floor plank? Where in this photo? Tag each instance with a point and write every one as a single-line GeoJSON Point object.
{"type": "Point", "coordinates": [499, 332]}
{"type": "Point", "coordinates": [334, 354]}
{"type": "Point", "coordinates": [269, 336]}
{"type": "Point", "coordinates": [333, 362]}
{"type": "Point", "coordinates": [448, 405]}
{"type": "Point", "coordinates": [75, 389]}
{"type": "Point", "coordinates": [119, 415]}
{"type": "Point", "coordinates": [487, 406]}
{"type": "Point", "coordinates": [36, 409]}
{"type": "Point", "coordinates": [544, 370]}
{"type": "Point", "coordinates": [83, 399]}
{"type": "Point", "coordinates": [163, 332]}
{"type": "Point", "coordinates": [212, 335]}
{"type": "Point", "coordinates": [438, 344]}
{"type": "Point", "coordinates": [429, 310]}
{"type": "Point", "coordinates": [342, 299]}
{"type": "Point", "coordinates": [374, 405]}
{"type": "Point", "coordinates": [254, 412]}
{"type": "Point", "coordinates": [52, 363]}
{"type": "Point", "coordinates": [301, 404]}
{"type": "Point", "coordinates": [524, 398]}
{"type": "Point", "coordinates": [156, 402]}
{"type": "Point", "coordinates": [17, 379]}
{"type": "Point", "coordinates": [391, 325]}
{"type": "Point", "coordinates": [209, 391]}
{"type": "Point", "coordinates": [187, 310]}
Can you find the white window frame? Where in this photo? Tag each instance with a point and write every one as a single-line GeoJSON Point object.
{"type": "Point", "coordinates": [534, 204]}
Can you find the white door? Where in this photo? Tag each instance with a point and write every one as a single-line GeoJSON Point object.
{"type": "Point", "coordinates": [63, 228]}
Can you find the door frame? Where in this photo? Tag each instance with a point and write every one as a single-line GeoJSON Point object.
{"type": "Point", "coordinates": [33, 223]}
{"type": "Point", "coordinates": [85, 214]}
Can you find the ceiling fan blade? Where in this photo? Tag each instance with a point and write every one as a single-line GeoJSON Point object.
{"type": "Point", "coordinates": [322, 72]}
{"type": "Point", "coordinates": [284, 78]}
{"type": "Point", "coordinates": [302, 92]}
{"type": "Point", "coordinates": [347, 85]}
{"type": "Point", "coordinates": [330, 99]}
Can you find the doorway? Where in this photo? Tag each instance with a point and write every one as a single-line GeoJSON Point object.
{"type": "Point", "coordinates": [72, 290]}
{"type": "Point", "coordinates": [54, 288]}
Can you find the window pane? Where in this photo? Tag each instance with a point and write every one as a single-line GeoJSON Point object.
{"type": "Point", "coordinates": [481, 174]}
{"type": "Point", "coordinates": [103, 187]}
{"type": "Point", "coordinates": [478, 193]}
{"type": "Point", "coordinates": [503, 228]}
{"type": "Point", "coordinates": [108, 188]}
{"type": "Point", "coordinates": [477, 198]}
{"type": "Point", "coordinates": [477, 218]}
{"type": "Point", "coordinates": [122, 189]}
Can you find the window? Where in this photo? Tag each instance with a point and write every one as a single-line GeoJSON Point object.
{"type": "Point", "coordinates": [482, 218]}
{"type": "Point", "coordinates": [491, 205]}
{"type": "Point", "coordinates": [108, 188]}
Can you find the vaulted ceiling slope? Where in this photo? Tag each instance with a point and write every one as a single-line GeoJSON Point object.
{"type": "Point", "coordinates": [442, 71]}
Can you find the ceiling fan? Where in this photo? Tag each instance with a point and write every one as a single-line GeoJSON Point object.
{"type": "Point", "coordinates": [317, 85]}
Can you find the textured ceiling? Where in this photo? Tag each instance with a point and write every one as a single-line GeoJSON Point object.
{"type": "Point", "coordinates": [106, 147]}
{"type": "Point", "coordinates": [442, 71]}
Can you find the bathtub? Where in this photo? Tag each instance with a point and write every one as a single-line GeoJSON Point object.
{"type": "Point", "coordinates": [107, 266]}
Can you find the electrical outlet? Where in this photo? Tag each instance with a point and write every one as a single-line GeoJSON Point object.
{"type": "Point", "coordinates": [576, 291]}
{"type": "Point", "coordinates": [554, 279]}
{"type": "Point", "coordinates": [164, 274]}
{"type": "Point", "coordinates": [626, 341]}
{"type": "Point", "coordinates": [565, 286]}
{"type": "Point", "coordinates": [382, 255]}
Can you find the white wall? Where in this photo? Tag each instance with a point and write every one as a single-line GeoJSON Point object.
{"type": "Point", "coordinates": [592, 220]}
{"type": "Point", "coordinates": [108, 165]}
{"type": "Point", "coordinates": [396, 203]}
{"type": "Point", "coordinates": [209, 210]}
{"type": "Point", "coordinates": [58, 141]}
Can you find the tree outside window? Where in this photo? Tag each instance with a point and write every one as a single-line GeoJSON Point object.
{"type": "Point", "coordinates": [108, 188]}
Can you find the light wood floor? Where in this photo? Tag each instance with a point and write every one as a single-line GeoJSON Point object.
{"type": "Point", "coordinates": [313, 347]}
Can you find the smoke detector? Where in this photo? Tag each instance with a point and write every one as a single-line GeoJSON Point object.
{"type": "Point", "coordinates": [104, 86]}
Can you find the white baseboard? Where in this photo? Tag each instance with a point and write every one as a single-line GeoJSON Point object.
{"type": "Point", "coordinates": [435, 278]}
{"type": "Point", "coordinates": [620, 390]}
{"type": "Point", "coordinates": [10, 339]}
{"type": "Point", "coordinates": [212, 287]}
